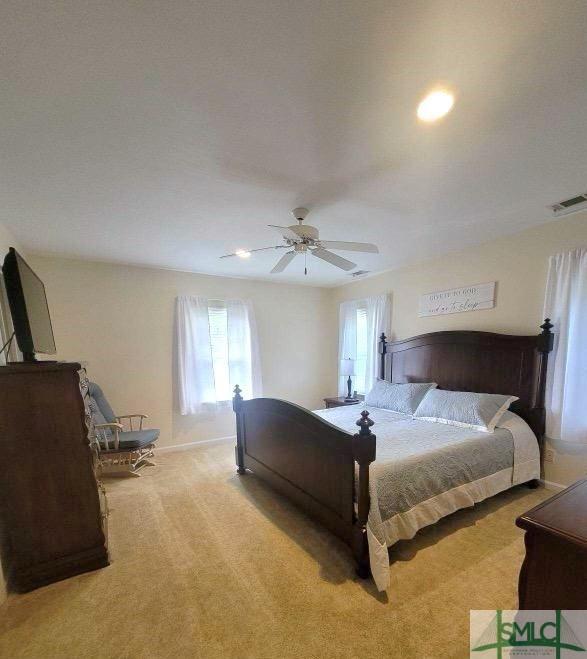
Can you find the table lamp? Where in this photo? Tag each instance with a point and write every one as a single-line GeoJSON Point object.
{"type": "Point", "coordinates": [347, 368]}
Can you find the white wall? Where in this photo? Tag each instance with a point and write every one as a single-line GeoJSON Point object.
{"type": "Point", "coordinates": [6, 240]}
{"type": "Point", "coordinates": [120, 320]}
{"type": "Point", "coordinates": [519, 264]}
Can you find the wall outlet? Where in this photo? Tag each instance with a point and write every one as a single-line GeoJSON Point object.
{"type": "Point", "coordinates": [549, 455]}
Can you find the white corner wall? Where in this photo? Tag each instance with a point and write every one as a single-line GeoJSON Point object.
{"type": "Point", "coordinates": [519, 265]}
{"type": "Point", "coordinates": [119, 319]}
{"type": "Point", "coordinates": [6, 240]}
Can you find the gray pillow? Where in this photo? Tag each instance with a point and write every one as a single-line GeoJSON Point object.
{"type": "Point", "coordinates": [464, 408]}
{"type": "Point", "coordinates": [403, 398]}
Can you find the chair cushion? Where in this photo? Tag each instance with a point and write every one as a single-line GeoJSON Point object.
{"type": "Point", "coordinates": [97, 416]}
{"type": "Point", "coordinates": [97, 395]}
{"type": "Point", "coordinates": [137, 438]}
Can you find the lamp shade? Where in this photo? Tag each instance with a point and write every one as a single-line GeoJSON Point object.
{"type": "Point", "coordinates": [347, 367]}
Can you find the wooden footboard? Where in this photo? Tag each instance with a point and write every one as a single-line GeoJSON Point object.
{"type": "Point", "coordinates": [311, 462]}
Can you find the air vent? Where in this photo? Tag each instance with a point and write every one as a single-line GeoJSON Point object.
{"type": "Point", "coordinates": [360, 273]}
{"type": "Point", "coordinates": [571, 205]}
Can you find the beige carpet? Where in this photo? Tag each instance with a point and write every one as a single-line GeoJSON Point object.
{"type": "Point", "coordinates": [209, 564]}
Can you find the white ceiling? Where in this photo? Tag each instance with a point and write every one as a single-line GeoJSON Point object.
{"type": "Point", "coordinates": [169, 133]}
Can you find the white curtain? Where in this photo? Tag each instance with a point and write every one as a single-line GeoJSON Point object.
{"type": "Point", "coordinates": [196, 384]}
{"type": "Point", "coordinates": [378, 309]}
{"type": "Point", "coordinates": [347, 337]}
{"type": "Point", "coordinates": [378, 322]}
{"type": "Point", "coordinates": [195, 372]}
{"type": "Point", "coordinates": [244, 365]}
{"type": "Point", "coordinates": [566, 385]}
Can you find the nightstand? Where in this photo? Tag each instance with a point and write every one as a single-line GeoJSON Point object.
{"type": "Point", "coordinates": [340, 402]}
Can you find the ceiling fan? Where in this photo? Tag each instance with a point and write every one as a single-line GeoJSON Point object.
{"type": "Point", "coordinates": [304, 239]}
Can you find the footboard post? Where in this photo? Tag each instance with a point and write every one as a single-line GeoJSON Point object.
{"type": "Point", "coordinates": [239, 449]}
{"type": "Point", "coordinates": [364, 443]}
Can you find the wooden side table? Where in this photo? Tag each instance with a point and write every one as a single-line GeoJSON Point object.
{"type": "Point", "coordinates": [340, 402]}
{"type": "Point", "coordinates": [554, 572]}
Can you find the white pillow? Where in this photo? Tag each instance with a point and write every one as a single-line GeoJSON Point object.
{"type": "Point", "coordinates": [403, 398]}
{"type": "Point", "coordinates": [464, 408]}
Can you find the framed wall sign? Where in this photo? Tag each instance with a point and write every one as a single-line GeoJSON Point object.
{"type": "Point", "coordinates": [457, 300]}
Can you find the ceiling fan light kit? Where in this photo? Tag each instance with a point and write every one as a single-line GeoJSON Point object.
{"type": "Point", "coordinates": [305, 239]}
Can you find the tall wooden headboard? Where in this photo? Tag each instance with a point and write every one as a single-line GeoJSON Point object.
{"type": "Point", "coordinates": [476, 361]}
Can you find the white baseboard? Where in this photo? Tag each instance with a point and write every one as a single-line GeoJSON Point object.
{"type": "Point", "coordinates": [188, 445]}
{"type": "Point", "coordinates": [549, 485]}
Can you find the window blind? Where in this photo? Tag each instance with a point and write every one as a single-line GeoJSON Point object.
{"type": "Point", "coordinates": [218, 322]}
{"type": "Point", "coordinates": [362, 347]}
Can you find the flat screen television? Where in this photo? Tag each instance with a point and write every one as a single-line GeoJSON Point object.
{"type": "Point", "coordinates": [28, 307]}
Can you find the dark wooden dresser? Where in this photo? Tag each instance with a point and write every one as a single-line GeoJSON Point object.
{"type": "Point", "coordinates": [554, 572]}
{"type": "Point", "coordinates": [53, 509]}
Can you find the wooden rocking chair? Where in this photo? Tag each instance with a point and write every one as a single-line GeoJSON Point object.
{"type": "Point", "coordinates": [121, 450]}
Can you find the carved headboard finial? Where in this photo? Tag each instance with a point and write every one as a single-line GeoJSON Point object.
{"type": "Point", "coordinates": [382, 348]}
{"type": "Point", "coordinates": [547, 337]}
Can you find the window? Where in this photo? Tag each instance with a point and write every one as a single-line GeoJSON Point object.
{"type": "Point", "coordinates": [354, 342]}
{"type": "Point", "coordinates": [361, 323]}
{"type": "Point", "coordinates": [218, 321]}
{"type": "Point", "coordinates": [216, 350]}
{"type": "Point", "coordinates": [361, 352]}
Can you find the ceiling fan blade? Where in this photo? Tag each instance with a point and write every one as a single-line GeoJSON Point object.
{"type": "Point", "coordinates": [350, 247]}
{"type": "Point", "coordinates": [250, 251]}
{"type": "Point", "coordinates": [262, 249]}
{"type": "Point", "coordinates": [286, 232]}
{"type": "Point", "coordinates": [283, 262]}
{"type": "Point", "coordinates": [332, 258]}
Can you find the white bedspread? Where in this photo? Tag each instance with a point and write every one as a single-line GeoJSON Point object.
{"type": "Point", "coordinates": [425, 471]}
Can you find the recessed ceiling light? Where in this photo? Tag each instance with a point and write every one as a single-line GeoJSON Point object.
{"type": "Point", "coordinates": [435, 105]}
{"type": "Point", "coordinates": [243, 253]}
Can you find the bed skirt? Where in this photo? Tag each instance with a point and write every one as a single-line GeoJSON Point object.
{"type": "Point", "coordinates": [404, 526]}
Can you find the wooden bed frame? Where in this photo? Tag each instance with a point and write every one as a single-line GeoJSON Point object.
{"type": "Point", "coordinates": [312, 462]}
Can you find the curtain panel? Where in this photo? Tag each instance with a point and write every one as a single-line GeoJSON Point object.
{"type": "Point", "coordinates": [378, 311]}
{"type": "Point", "coordinates": [347, 338]}
{"type": "Point", "coordinates": [378, 322]}
{"type": "Point", "coordinates": [197, 387]}
{"type": "Point", "coordinates": [566, 383]}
